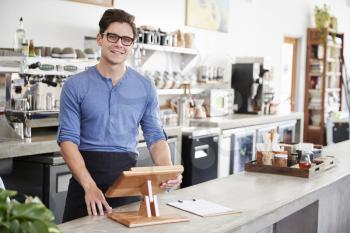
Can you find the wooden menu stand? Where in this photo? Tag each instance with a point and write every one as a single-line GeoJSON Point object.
{"type": "Point", "coordinates": [144, 182]}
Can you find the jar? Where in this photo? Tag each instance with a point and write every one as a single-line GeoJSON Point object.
{"type": "Point", "coordinates": [267, 157]}
{"type": "Point", "coordinates": [305, 161]}
{"type": "Point", "coordinates": [280, 160]}
{"type": "Point", "coordinates": [292, 159]}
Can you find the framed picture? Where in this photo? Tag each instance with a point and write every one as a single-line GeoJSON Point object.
{"type": "Point", "coordinates": [208, 14]}
{"type": "Point", "coordinates": [106, 3]}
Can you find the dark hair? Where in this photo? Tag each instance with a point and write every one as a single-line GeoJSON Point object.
{"type": "Point", "coordinates": [116, 15]}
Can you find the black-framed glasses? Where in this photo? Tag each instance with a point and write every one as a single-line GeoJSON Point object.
{"type": "Point", "coordinates": [113, 38]}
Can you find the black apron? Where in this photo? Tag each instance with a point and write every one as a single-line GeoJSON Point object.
{"type": "Point", "coordinates": [104, 168]}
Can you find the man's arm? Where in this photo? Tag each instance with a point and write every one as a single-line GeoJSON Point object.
{"type": "Point", "coordinates": [155, 136]}
{"type": "Point", "coordinates": [69, 138]}
{"type": "Point", "coordinates": [93, 195]}
{"type": "Point", "coordinates": [160, 153]}
{"type": "Point", "coordinates": [161, 157]}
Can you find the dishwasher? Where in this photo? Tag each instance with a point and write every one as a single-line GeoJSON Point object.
{"type": "Point", "coordinates": [199, 155]}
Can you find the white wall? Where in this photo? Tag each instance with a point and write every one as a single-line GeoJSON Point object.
{"type": "Point", "coordinates": [257, 27]}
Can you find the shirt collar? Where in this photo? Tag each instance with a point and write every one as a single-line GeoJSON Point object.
{"type": "Point", "coordinates": [105, 79]}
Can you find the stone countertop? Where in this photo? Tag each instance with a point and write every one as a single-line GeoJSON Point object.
{"type": "Point", "coordinates": [244, 120]}
{"type": "Point", "coordinates": [263, 199]}
{"type": "Point", "coordinates": [45, 142]}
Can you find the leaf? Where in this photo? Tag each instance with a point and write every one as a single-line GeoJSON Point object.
{"type": "Point", "coordinates": [3, 229]}
{"type": "Point", "coordinates": [33, 211]}
{"type": "Point", "coordinates": [39, 227]}
{"type": "Point", "coordinates": [29, 217]}
{"type": "Point", "coordinates": [15, 226]}
{"type": "Point", "coordinates": [25, 227]}
{"type": "Point", "coordinates": [4, 194]}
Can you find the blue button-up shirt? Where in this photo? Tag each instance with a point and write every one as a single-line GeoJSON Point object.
{"type": "Point", "coordinates": [97, 116]}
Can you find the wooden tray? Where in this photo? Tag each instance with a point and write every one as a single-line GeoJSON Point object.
{"type": "Point", "coordinates": [323, 163]}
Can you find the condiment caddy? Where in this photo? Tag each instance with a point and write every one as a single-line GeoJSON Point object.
{"type": "Point", "coordinates": [300, 160]}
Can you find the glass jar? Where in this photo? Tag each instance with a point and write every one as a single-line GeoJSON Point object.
{"type": "Point", "coordinates": [280, 160]}
{"type": "Point", "coordinates": [305, 161]}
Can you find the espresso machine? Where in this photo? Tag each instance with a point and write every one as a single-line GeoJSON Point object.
{"type": "Point", "coordinates": [247, 81]}
{"type": "Point", "coordinates": [33, 100]}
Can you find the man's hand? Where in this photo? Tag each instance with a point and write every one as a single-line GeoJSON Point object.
{"type": "Point", "coordinates": [96, 201]}
{"type": "Point", "coordinates": [170, 184]}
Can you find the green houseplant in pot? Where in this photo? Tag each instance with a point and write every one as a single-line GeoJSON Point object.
{"type": "Point", "coordinates": [29, 217]}
{"type": "Point", "coordinates": [322, 18]}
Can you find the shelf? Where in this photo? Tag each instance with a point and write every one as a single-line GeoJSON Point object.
{"type": "Point", "coordinates": [168, 49]}
{"type": "Point", "coordinates": [9, 69]}
{"type": "Point", "coordinates": [178, 91]}
{"type": "Point", "coordinates": [315, 74]}
{"type": "Point", "coordinates": [335, 46]}
{"type": "Point", "coordinates": [187, 54]}
{"type": "Point", "coordinates": [333, 60]}
{"type": "Point", "coordinates": [51, 72]}
{"type": "Point", "coordinates": [332, 89]}
{"type": "Point", "coordinates": [333, 74]}
{"type": "Point", "coordinates": [323, 70]}
{"type": "Point", "coordinates": [314, 127]}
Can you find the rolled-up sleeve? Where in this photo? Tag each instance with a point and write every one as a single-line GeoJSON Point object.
{"type": "Point", "coordinates": [69, 118]}
{"type": "Point", "coordinates": [150, 122]}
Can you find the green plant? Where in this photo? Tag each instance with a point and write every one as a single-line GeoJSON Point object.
{"type": "Point", "coordinates": [29, 217]}
{"type": "Point", "coordinates": [322, 17]}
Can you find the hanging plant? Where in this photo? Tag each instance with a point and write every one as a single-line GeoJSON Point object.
{"type": "Point", "coordinates": [322, 18]}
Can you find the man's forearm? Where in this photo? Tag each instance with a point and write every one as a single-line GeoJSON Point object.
{"type": "Point", "coordinates": [76, 164]}
{"type": "Point", "coordinates": [160, 153]}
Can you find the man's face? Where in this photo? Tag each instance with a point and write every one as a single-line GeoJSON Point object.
{"type": "Point", "coordinates": [116, 50]}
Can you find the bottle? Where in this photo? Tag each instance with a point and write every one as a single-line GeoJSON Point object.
{"type": "Point", "coordinates": [20, 36]}
{"type": "Point", "coordinates": [25, 48]}
{"type": "Point", "coordinates": [31, 49]}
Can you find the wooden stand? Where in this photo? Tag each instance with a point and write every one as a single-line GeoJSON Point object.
{"type": "Point", "coordinates": [144, 182]}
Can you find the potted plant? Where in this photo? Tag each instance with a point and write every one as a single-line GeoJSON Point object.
{"type": "Point", "coordinates": [322, 17]}
{"type": "Point", "coordinates": [29, 217]}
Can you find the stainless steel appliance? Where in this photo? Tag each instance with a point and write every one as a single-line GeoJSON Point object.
{"type": "Point", "coordinates": [45, 176]}
{"type": "Point", "coordinates": [144, 159]}
{"type": "Point", "coordinates": [199, 155]}
{"type": "Point", "coordinates": [286, 131]}
{"type": "Point", "coordinates": [219, 102]}
{"type": "Point", "coordinates": [237, 147]}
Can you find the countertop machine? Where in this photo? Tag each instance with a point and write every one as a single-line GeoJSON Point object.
{"type": "Point", "coordinates": [247, 80]}
{"type": "Point", "coordinates": [199, 155]}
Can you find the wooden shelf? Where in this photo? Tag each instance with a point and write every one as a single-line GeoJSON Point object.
{"type": "Point", "coordinates": [333, 74]}
{"type": "Point", "coordinates": [314, 127]}
{"type": "Point", "coordinates": [329, 74]}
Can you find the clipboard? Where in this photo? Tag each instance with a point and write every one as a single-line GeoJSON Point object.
{"type": "Point", "coordinates": [145, 182]}
{"type": "Point", "coordinates": [202, 207]}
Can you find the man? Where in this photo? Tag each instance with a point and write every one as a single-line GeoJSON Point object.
{"type": "Point", "coordinates": [101, 110]}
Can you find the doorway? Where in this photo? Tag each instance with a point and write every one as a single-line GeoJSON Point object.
{"type": "Point", "coordinates": [289, 71]}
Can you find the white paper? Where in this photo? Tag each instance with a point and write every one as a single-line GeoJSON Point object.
{"type": "Point", "coordinates": [202, 207]}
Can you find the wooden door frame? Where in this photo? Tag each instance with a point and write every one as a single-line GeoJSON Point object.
{"type": "Point", "coordinates": [294, 42]}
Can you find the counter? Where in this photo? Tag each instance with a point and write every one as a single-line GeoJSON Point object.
{"type": "Point", "coordinates": [247, 120]}
{"type": "Point", "coordinates": [244, 120]}
{"type": "Point", "coordinates": [45, 142]}
{"type": "Point", "coordinates": [267, 202]}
